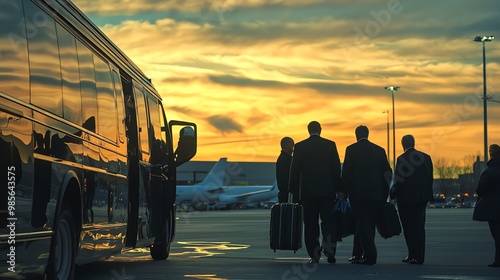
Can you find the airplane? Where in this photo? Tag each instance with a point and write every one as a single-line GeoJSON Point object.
{"type": "Point", "coordinates": [207, 191]}
{"type": "Point", "coordinates": [247, 194]}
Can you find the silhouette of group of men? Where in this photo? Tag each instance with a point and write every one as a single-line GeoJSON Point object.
{"type": "Point", "coordinates": [316, 178]}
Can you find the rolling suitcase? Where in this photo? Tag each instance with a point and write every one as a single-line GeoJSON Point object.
{"type": "Point", "coordinates": [285, 231]}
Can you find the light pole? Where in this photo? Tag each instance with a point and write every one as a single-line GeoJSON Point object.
{"type": "Point", "coordinates": [484, 39]}
{"type": "Point", "coordinates": [388, 147]}
{"type": "Point", "coordinates": [393, 89]}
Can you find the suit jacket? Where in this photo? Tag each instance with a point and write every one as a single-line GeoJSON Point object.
{"type": "Point", "coordinates": [283, 172]}
{"type": "Point", "coordinates": [413, 178]}
{"type": "Point", "coordinates": [488, 192]}
{"type": "Point", "coordinates": [366, 173]}
{"type": "Point", "coordinates": [315, 170]}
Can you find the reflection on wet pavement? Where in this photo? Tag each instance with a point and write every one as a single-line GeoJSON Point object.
{"type": "Point", "coordinates": [452, 277]}
{"type": "Point", "coordinates": [134, 255]}
{"type": "Point", "coordinates": [204, 276]}
{"type": "Point", "coordinates": [201, 249]}
{"type": "Point", "coordinates": [190, 249]}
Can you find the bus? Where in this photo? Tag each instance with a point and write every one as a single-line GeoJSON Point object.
{"type": "Point", "coordinates": [88, 157]}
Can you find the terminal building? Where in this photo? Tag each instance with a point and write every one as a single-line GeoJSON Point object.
{"type": "Point", "coordinates": [237, 173]}
{"type": "Point", "coordinates": [264, 173]}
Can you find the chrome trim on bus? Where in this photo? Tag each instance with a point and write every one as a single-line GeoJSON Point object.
{"type": "Point", "coordinates": [27, 236]}
{"type": "Point", "coordinates": [76, 165]}
{"type": "Point", "coordinates": [103, 226]}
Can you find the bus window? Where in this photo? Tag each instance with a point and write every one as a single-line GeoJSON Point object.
{"type": "Point", "coordinates": [143, 121]}
{"type": "Point", "coordinates": [45, 68]}
{"type": "Point", "coordinates": [88, 86]}
{"type": "Point", "coordinates": [154, 114]}
{"type": "Point", "coordinates": [106, 104]}
{"type": "Point", "coordinates": [120, 105]}
{"type": "Point", "coordinates": [159, 148]}
{"type": "Point", "coordinates": [72, 99]}
{"type": "Point", "coordinates": [14, 50]}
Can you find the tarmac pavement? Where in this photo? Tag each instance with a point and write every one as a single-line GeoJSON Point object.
{"type": "Point", "coordinates": [234, 244]}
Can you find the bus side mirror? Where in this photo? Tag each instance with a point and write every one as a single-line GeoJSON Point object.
{"type": "Point", "coordinates": [186, 145]}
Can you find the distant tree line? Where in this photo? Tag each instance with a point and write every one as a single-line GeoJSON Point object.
{"type": "Point", "coordinates": [457, 176]}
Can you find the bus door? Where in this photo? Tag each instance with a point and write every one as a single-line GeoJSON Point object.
{"type": "Point", "coordinates": [132, 164]}
{"type": "Point", "coordinates": [163, 176]}
{"type": "Point", "coordinates": [143, 132]}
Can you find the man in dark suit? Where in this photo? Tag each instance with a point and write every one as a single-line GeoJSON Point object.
{"type": "Point", "coordinates": [315, 177]}
{"type": "Point", "coordinates": [413, 189]}
{"type": "Point", "coordinates": [366, 175]}
{"type": "Point", "coordinates": [283, 168]}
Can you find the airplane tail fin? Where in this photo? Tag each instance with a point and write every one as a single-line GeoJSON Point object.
{"type": "Point", "coordinates": [215, 178]}
{"type": "Point", "coordinates": [274, 189]}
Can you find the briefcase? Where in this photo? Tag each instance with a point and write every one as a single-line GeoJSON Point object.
{"type": "Point", "coordinates": [344, 218]}
{"type": "Point", "coordinates": [388, 224]}
{"type": "Point", "coordinates": [285, 231]}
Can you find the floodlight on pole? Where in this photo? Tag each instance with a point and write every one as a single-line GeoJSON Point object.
{"type": "Point", "coordinates": [393, 89]}
{"type": "Point", "coordinates": [483, 40]}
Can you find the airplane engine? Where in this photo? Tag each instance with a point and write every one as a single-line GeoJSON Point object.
{"type": "Point", "coordinates": [199, 205]}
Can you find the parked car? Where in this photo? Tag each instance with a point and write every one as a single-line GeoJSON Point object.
{"type": "Point", "coordinates": [439, 202]}
{"type": "Point", "coordinates": [469, 204]}
{"type": "Point", "coordinates": [453, 203]}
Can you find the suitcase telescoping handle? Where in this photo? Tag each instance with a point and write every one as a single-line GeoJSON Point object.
{"type": "Point", "coordinates": [290, 197]}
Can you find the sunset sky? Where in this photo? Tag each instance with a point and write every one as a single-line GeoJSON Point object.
{"type": "Point", "coordinates": [249, 72]}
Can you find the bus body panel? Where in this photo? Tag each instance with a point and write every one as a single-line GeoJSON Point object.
{"type": "Point", "coordinates": [81, 129]}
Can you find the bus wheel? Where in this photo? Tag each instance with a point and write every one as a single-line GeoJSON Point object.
{"type": "Point", "coordinates": [63, 249]}
{"type": "Point", "coordinates": [160, 250]}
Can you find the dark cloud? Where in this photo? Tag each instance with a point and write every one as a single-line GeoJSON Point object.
{"type": "Point", "coordinates": [244, 139]}
{"type": "Point", "coordinates": [459, 98]}
{"type": "Point", "coordinates": [225, 124]}
{"type": "Point", "coordinates": [222, 124]}
{"type": "Point", "coordinates": [185, 110]}
{"type": "Point", "coordinates": [373, 23]}
{"type": "Point", "coordinates": [180, 80]}
{"type": "Point", "coordinates": [342, 25]}
{"type": "Point", "coordinates": [229, 80]}
{"type": "Point", "coordinates": [418, 93]}
{"type": "Point", "coordinates": [320, 87]}
{"type": "Point", "coordinates": [336, 88]}
{"type": "Point", "coordinates": [242, 25]}
{"type": "Point", "coordinates": [203, 64]}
